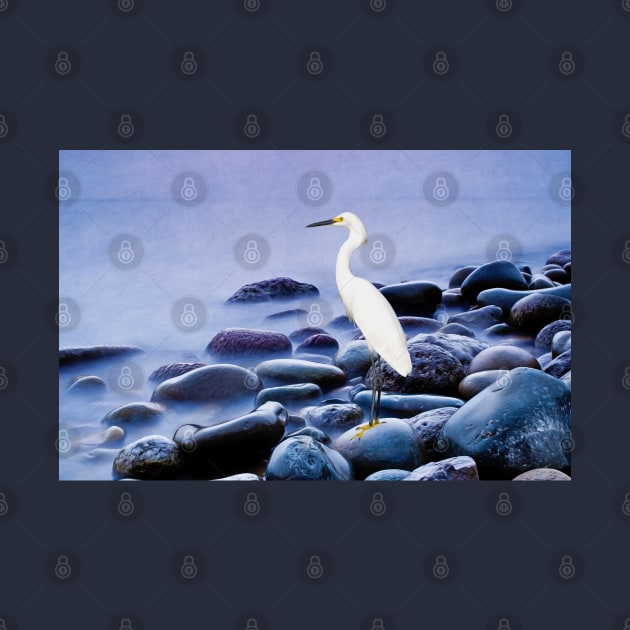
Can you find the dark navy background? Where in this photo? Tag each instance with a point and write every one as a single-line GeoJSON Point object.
{"type": "Point", "coordinates": [315, 74]}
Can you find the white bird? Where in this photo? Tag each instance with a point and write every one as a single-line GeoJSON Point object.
{"type": "Point", "coordinates": [369, 309]}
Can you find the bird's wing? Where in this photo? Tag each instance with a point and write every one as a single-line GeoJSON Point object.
{"type": "Point", "coordinates": [377, 320]}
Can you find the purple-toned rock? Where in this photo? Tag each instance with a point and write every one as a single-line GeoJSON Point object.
{"type": "Point", "coordinates": [460, 468]}
{"type": "Point", "coordinates": [164, 372]}
{"type": "Point", "coordinates": [535, 311]}
{"type": "Point", "coordinates": [273, 289]}
{"type": "Point", "coordinates": [150, 457]}
{"type": "Point", "coordinates": [319, 344]}
{"type": "Point", "coordinates": [542, 474]}
{"type": "Point", "coordinates": [299, 335]}
{"type": "Point", "coordinates": [499, 274]}
{"type": "Point", "coordinates": [459, 276]}
{"type": "Point", "coordinates": [502, 357]}
{"type": "Point", "coordinates": [478, 318]}
{"type": "Point", "coordinates": [245, 343]}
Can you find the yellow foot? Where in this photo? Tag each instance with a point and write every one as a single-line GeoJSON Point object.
{"type": "Point", "coordinates": [366, 427]}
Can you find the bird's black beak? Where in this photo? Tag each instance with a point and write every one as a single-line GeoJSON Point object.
{"type": "Point", "coordinates": [327, 222]}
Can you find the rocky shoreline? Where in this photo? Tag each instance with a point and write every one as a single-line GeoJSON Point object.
{"type": "Point", "coordinates": [489, 395]}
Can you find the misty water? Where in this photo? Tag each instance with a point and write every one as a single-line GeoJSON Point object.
{"type": "Point", "coordinates": [196, 247]}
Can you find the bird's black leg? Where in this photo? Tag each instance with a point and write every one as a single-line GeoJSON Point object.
{"type": "Point", "coordinates": [374, 381]}
{"type": "Point", "coordinates": [379, 385]}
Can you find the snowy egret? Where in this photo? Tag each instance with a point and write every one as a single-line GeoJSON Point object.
{"type": "Point", "coordinates": [369, 309]}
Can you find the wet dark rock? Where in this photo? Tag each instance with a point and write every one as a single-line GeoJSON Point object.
{"type": "Point", "coordinates": [288, 371]}
{"type": "Point", "coordinates": [227, 446]}
{"type": "Point", "coordinates": [479, 318]}
{"type": "Point", "coordinates": [502, 357]}
{"type": "Point", "coordinates": [390, 474]}
{"type": "Point", "coordinates": [560, 343]}
{"type": "Point", "coordinates": [540, 281]}
{"type": "Point", "coordinates": [392, 443]}
{"type": "Point", "coordinates": [461, 347]}
{"type": "Point", "coordinates": [542, 474]}
{"type": "Point", "coordinates": [505, 298]}
{"type": "Point", "coordinates": [558, 275]}
{"type": "Point", "coordinates": [561, 257]}
{"type": "Point", "coordinates": [249, 343]}
{"type": "Point", "coordinates": [85, 354]}
{"type": "Point", "coordinates": [477, 382]}
{"type": "Point", "coordinates": [427, 426]}
{"type": "Point", "coordinates": [414, 325]}
{"type": "Point", "coordinates": [460, 468]}
{"type": "Point", "coordinates": [291, 396]}
{"type": "Point", "coordinates": [150, 457]}
{"type": "Point", "coordinates": [241, 477]}
{"type": "Point", "coordinates": [319, 344]}
{"type": "Point", "coordinates": [535, 311]}
{"type": "Point", "coordinates": [560, 365]}
{"type": "Point", "coordinates": [164, 372]}
{"type": "Point", "coordinates": [316, 434]}
{"type": "Point", "coordinates": [505, 333]}
{"type": "Point", "coordinates": [209, 383]}
{"type": "Point", "coordinates": [566, 378]}
{"type": "Point", "coordinates": [353, 358]}
{"type": "Point", "coordinates": [545, 337]}
{"type": "Point", "coordinates": [405, 405]}
{"type": "Point", "coordinates": [460, 275]}
{"type": "Point", "coordinates": [544, 360]}
{"type": "Point", "coordinates": [434, 371]}
{"type": "Point", "coordinates": [497, 274]}
{"type": "Point", "coordinates": [341, 322]}
{"type": "Point", "coordinates": [333, 417]}
{"type": "Point", "coordinates": [453, 299]}
{"type": "Point", "coordinates": [299, 335]}
{"type": "Point", "coordinates": [87, 385]}
{"type": "Point", "coordinates": [456, 329]}
{"type": "Point", "coordinates": [413, 298]}
{"type": "Point", "coordinates": [273, 289]}
{"type": "Point", "coordinates": [510, 428]}
{"type": "Point", "coordinates": [305, 458]}
{"type": "Point", "coordinates": [135, 413]}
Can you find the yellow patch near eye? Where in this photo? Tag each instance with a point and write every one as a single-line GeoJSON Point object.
{"type": "Point", "coordinates": [338, 219]}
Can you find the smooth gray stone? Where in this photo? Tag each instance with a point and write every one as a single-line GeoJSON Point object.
{"type": "Point", "coordinates": [150, 457]}
{"type": "Point", "coordinates": [506, 298]}
{"type": "Point", "coordinates": [405, 405]}
{"type": "Point", "coordinates": [273, 289]}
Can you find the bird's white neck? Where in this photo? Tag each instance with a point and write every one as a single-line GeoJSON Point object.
{"type": "Point", "coordinates": [344, 273]}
